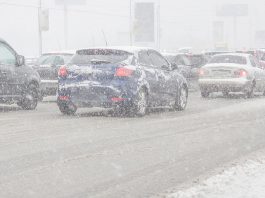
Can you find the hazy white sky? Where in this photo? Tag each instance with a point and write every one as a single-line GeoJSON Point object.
{"type": "Point", "coordinates": [183, 23]}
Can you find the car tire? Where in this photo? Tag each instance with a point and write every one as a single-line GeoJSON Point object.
{"type": "Point", "coordinates": [30, 98]}
{"type": "Point", "coordinates": [205, 94]}
{"type": "Point", "coordinates": [225, 93]}
{"type": "Point", "coordinates": [250, 93]}
{"type": "Point", "coordinates": [140, 104]}
{"type": "Point", "coordinates": [41, 97]}
{"type": "Point", "coordinates": [67, 109]}
{"type": "Point", "coordinates": [182, 99]}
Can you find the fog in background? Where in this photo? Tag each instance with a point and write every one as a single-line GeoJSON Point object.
{"type": "Point", "coordinates": [186, 23]}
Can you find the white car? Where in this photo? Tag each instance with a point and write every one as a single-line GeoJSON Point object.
{"type": "Point", "coordinates": [232, 72]}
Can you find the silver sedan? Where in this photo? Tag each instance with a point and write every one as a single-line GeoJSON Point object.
{"type": "Point", "coordinates": [233, 72]}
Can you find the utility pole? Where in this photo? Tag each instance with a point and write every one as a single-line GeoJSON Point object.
{"type": "Point", "coordinates": [65, 25]}
{"type": "Point", "coordinates": [158, 26]}
{"type": "Point", "coordinates": [40, 30]}
{"type": "Point", "coordinates": [105, 38]}
{"type": "Point", "coordinates": [130, 23]}
{"type": "Point", "coordinates": [235, 31]}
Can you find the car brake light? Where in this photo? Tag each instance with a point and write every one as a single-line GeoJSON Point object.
{"type": "Point", "coordinates": [123, 72]}
{"type": "Point", "coordinates": [63, 72]}
{"type": "Point", "coordinates": [203, 72]}
{"type": "Point", "coordinates": [64, 98]}
{"type": "Point", "coordinates": [241, 73]}
{"type": "Point", "coordinates": [117, 99]}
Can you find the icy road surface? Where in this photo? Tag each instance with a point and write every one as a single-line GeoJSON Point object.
{"type": "Point", "coordinates": [45, 154]}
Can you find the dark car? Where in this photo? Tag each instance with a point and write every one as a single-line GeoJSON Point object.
{"type": "Point", "coordinates": [47, 66]}
{"type": "Point", "coordinates": [129, 80]}
{"type": "Point", "coordinates": [18, 83]}
{"type": "Point", "coordinates": [183, 61]}
{"type": "Point", "coordinates": [198, 60]}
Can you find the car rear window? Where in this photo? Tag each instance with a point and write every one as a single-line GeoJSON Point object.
{"type": "Point", "coordinates": [229, 59]}
{"type": "Point", "coordinates": [99, 56]}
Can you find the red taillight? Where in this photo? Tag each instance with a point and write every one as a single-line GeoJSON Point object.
{"type": "Point", "coordinates": [64, 98]}
{"type": "Point", "coordinates": [123, 72]}
{"type": "Point", "coordinates": [116, 99]}
{"type": "Point", "coordinates": [203, 72]}
{"type": "Point", "coordinates": [241, 73]}
{"type": "Point", "coordinates": [62, 72]}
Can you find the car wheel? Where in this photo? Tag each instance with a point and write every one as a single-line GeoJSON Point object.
{"type": "Point", "coordinates": [30, 98]}
{"type": "Point", "coordinates": [140, 104]}
{"type": "Point", "coordinates": [225, 93]}
{"type": "Point", "coordinates": [205, 94]}
{"type": "Point", "coordinates": [68, 109]}
{"type": "Point", "coordinates": [250, 93]}
{"type": "Point", "coordinates": [182, 99]}
{"type": "Point", "coordinates": [41, 97]}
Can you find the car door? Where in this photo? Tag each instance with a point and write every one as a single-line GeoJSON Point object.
{"type": "Point", "coordinates": [7, 69]}
{"type": "Point", "coordinates": [151, 75]}
{"type": "Point", "coordinates": [261, 73]}
{"type": "Point", "coordinates": [258, 73]}
{"type": "Point", "coordinates": [166, 85]}
{"type": "Point", "coordinates": [184, 65]}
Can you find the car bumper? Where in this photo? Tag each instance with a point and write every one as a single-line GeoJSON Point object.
{"type": "Point", "coordinates": [94, 96]}
{"type": "Point", "coordinates": [233, 85]}
{"type": "Point", "coordinates": [49, 87]}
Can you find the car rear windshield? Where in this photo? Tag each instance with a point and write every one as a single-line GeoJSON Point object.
{"type": "Point", "coordinates": [99, 56]}
{"type": "Point", "coordinates": [229, 59]}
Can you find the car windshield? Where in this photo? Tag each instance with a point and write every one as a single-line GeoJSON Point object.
{"type": "Point", "coordinates": [99, 56]}
{"type": "Point", "coordinates": [229, 59]}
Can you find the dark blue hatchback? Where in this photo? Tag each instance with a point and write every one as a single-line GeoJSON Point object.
{"type": "Point", "coordinates": [129, 80]}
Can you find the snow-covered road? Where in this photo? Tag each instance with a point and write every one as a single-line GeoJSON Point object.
{"type": "Point", "coordinates": [45, 154]}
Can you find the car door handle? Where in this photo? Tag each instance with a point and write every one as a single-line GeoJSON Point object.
{"type": "Point", "coordinates": [3, 73]}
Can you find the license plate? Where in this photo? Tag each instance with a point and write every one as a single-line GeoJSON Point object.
{"type": "Point", "coordinates": [221, 73]}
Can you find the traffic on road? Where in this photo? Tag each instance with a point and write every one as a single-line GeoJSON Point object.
{"type": "Point", "coordinates": [158, 110]}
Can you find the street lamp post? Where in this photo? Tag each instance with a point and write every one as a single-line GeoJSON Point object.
{"type": "Point", "coordinates": [130, 23]}
{"type": "Point", "coordinates": [65, 25]}
{"type": "Point", "coordinates": [40, 30]}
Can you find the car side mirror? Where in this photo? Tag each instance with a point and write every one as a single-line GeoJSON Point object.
{"type": "Point", "coordinates": [165, 67]}
{"type": "Point", "coordinates": [174, 66]}
{"type": "Point", "coordinates": [20, 60]}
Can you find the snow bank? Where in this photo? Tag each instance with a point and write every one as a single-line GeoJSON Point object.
{"type": "Point", "coordinates": [244, 180]}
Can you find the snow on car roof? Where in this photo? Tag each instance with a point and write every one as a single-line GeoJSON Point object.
{"type": "Point", "coordinates": [130, 49]}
